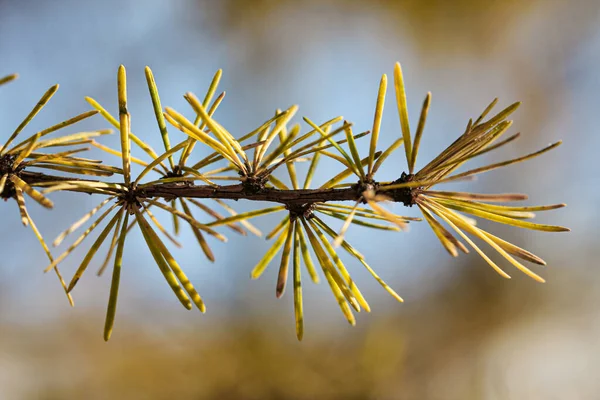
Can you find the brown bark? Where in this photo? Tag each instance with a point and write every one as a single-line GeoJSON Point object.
{"type": "Point", "coordinates": [292, 197]}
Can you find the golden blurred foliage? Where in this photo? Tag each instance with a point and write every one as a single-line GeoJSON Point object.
{"type": "Point", "coordinates": [437, 349]}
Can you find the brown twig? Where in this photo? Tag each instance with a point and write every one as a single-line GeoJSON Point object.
{"type": "Point", "coordinates": [290, 197]}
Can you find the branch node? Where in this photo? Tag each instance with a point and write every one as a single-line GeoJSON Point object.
{"type": "Point", "coordinates": [367, 185]}
{"type": "Point", "coordinates": [300, 210]}
{"type": "Point", "coordinates": [131, 198]}
{"type": "Point", "coordinates": [254, 184]}
{"type": "Point", "coordinates": [7, 166]}
{"type": "Point", "coordinates": [408, 195]}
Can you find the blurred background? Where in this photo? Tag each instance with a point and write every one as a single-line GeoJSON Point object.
{"type": "Point", "coordinates": [462, 333]}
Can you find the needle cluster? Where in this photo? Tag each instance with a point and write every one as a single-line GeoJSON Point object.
{"type": "Point", "coordinates": [174, 182]}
